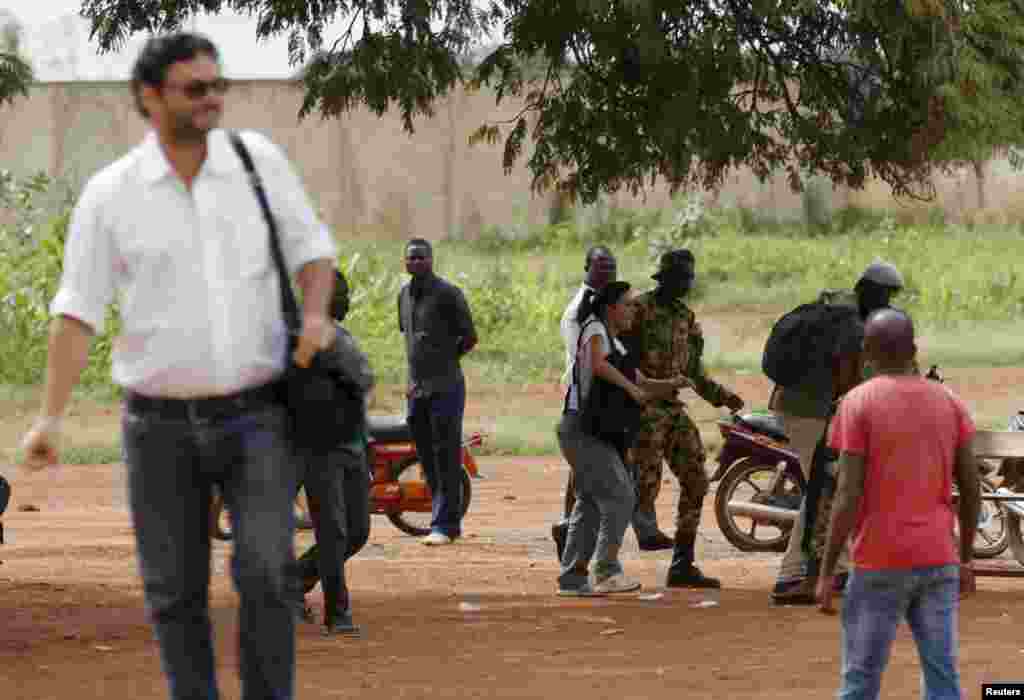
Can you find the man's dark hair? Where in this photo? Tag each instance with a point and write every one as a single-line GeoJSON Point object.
{"type": "Point", "coordinates": [159, 54]}
{"type": "Point", "coordinates": [597, 251]}
{"type": "Point", "coordinates": [420, 243]}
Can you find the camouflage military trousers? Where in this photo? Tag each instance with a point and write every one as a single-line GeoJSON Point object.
{"type": "Point", "coordinates": [669, 434]}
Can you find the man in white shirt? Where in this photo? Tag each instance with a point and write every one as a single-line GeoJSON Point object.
{"type": "Point", "coordinates": [175, 228]}
{"type": "Point", "coordinates": [601, 268]}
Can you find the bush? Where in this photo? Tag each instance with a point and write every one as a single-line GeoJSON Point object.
{"type": "Point", "coordinates": [31, 261]}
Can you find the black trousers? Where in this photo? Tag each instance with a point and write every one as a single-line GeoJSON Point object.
{"type": "Point", "coordinates": [338, 491]}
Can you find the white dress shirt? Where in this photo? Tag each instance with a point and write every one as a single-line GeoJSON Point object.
{"type": "Point", "coordinates": [571, 332]}
{"type": "Point", "coordinates": [198, 291]}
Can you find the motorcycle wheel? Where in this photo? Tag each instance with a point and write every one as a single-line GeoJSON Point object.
{"type": "Point", "coordinates": [220, 522]}
{"type": "Point", "coordinates": [744, 480]}
{"type": "Point", "coordinates": [1015, 536]}
{"type": "Point", "coordinates": [993, 535]}
{"type": "Point", "coordinates": [303, 520]}
{"type": "Point", "coordinates": [414, 523]}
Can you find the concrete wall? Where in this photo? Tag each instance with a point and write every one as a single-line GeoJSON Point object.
{"type": "Point", "coordinates": [367, 175]}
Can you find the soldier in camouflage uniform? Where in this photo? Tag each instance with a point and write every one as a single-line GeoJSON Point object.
{"type": "Point", "coordinates": [666, 334]}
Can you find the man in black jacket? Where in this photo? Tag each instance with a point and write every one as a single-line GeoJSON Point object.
{"type": "Point", "coordinates": [438, 327]}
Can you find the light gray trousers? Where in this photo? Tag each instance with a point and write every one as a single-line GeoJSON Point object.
{"type": "Point", "coordinates": [605, 499]}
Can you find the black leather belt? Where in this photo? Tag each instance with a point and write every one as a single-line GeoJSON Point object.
{"type": "Point", "coordinates": [205, 409]}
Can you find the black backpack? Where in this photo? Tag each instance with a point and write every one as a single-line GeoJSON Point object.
{"type": "Point", "coordinates": [803, 343]}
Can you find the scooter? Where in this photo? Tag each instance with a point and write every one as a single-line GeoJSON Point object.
{"type": "Point", "coordinates": [398, 487]}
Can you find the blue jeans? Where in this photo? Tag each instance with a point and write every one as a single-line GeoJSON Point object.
{"type": "Point", "coordinates": [876, 602]}
{"type": "Point", "coordinates": [436, 423]}
{"type": "Point", "coordinates": [172, 466]}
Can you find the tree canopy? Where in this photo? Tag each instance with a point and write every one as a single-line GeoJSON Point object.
{"type": "Point", "coordinates": [15, 72]}
{"type": "Point", "coordinates": [618, 93]}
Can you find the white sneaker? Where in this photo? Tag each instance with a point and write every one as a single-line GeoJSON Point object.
{"type": "Point", "coordinates": [436, 539]}
{"type": "Point", "coordinates": [616, 584]}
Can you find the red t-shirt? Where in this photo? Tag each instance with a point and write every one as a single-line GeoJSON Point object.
{"type": "Point", "coordinates": [908, 429]}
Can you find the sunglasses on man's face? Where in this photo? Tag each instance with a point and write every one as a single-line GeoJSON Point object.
{"type": "Point", "coordinates": [198, 89]}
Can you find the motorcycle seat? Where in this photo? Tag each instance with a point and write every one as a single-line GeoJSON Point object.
{"type": "Point", "coordinates": [388, 429]}
{"type": "Point", "coordinates": [764, 424]}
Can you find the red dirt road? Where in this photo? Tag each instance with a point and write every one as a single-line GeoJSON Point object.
{"type": "Point", "coordinates": [72, 623]}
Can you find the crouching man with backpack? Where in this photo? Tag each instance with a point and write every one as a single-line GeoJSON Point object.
{"type": "Point", "coordinates": [814, 357]}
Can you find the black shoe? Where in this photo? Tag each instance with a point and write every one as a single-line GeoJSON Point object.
{"type": "Point", "coordinates": [691, 578]}
{"type": "Point", "coordinates": [796, 593]}
{"type": "Point", "coordinates": [342, 626]}
{"type": "Point", "coordinates": [560, 533]}
{"type": "Point", "coordinates": [658, 543]}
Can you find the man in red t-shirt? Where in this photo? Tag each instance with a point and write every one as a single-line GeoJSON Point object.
{"type": "Point", "coordinates": [903, 441]}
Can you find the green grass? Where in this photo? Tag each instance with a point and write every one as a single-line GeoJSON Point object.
{"type": "Point", "coordinates": [83, 454]}
{"type": "Point", "coordinates": [521, 435]}
{"type": "Point", "coordinates": [962, 288]}
{"type": "Point", "coordinates": [91, 454]}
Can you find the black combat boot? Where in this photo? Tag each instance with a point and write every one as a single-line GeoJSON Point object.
{"type": "Point", "coordinates": [560, 533]}
{"type": "Point", "coordinates": [682, 573]}
{"type": "Point", "coordinates": [658, 542]}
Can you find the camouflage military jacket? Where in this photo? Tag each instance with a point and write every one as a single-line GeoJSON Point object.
{"type": "Point", "coordinates": [670, 343]}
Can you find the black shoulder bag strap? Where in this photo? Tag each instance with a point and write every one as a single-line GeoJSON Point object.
{"type": "Point", "coordinates": [289, 306]}
{"type": "Point", "coordinates": [576, 371]}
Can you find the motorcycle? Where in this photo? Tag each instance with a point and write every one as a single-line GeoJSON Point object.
{"type": "Point", "coordinates": [760, 483]}
{"type": "Point", "coordinates": [1011, 472]}
{"type": "Point", "coordinates": [398, 487]}
{"type": "Point", "coordinates": [761, 486]}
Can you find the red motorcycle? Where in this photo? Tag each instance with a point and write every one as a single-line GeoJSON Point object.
{"type": "Point", "coordinates": [398, 487]}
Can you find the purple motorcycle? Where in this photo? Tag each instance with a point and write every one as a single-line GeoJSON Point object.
{"type": "Point", "coordinates": [760, 483]}
{"type": "Point", "coordinates": [760, 487]}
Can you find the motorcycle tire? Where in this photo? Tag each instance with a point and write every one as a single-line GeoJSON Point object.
{"type": "Point", "coordinates": [988, 546]}
{"type": "Point", "coordinates": [739, 473]}
{"type": "Point", "coordinates": [1015, 536]}
{"type": "Point", "coordinates": [418, 524]}
{"type": "Point", "coordinates": [220, 524]}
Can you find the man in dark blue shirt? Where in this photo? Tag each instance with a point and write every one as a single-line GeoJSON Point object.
{"type": "Point", "coordinates": [438, 327]}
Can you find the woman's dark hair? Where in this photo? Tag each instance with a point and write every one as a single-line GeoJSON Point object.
{"type": "Point", "coordinates": [157, 56]}
{"type": "Point", "coordinates": [597, 303]}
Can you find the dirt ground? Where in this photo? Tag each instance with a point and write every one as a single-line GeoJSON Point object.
{"type": "Point", "coordinates": [73, 624]}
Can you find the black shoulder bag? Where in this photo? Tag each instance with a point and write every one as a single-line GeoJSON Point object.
{"type": "Point", "coordinates": [311, 395]}
{"type": "Point", "coordinates": [609, 412]}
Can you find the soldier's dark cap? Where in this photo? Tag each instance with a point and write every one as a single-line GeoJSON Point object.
{"type": "Point", "coordinates": [675, 263]}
